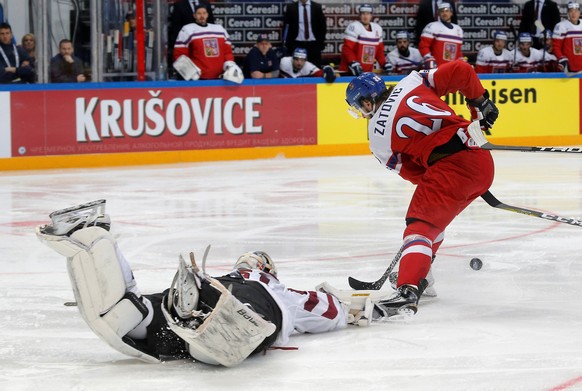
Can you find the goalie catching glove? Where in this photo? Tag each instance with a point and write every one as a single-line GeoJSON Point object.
{"type": "Point", "coordinates": [483, 111]}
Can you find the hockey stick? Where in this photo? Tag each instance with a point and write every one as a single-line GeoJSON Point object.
{"type": "Point", "coordinates": [376, 285]}
{"type": "Point", "coordinates": [494, 202]}
{"type": "Point", "coordinates": [477, 135]}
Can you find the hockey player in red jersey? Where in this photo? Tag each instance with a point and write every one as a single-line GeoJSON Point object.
{"type": "Point", "coordinates": [567, 40]}
{"type": "Point", "coordinates": [415, 134]}
{"type": "Point", "coordinates": [207, 45]}
{"type": "Point", "coordinates": [363, 45]}
{"type": "Point", "coordinates": [441, 41]}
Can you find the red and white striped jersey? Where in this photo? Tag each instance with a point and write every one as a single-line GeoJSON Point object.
{"type": "Point", "coordinates": [489, 62]}
{"type": "Point", "coordinates": [441, 42]}
{"type": "Point", "coordinates": [414, 120]}
{"type": "Point", "coordinates": [404, 65]}
{"type": "Point", "coordinates": [527, 64]}
{"type": "Point", "coordinates": [362, 46]}
{"type": "Point", "coordinates": [309, 69]}
{"type": "Point", "coordinates": [303, 311]}
{"type": "Point", "coordinates": [207, 46]}
{"type": "Point", "coordinates": [567, 42]}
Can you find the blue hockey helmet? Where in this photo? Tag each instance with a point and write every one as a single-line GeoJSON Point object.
{"type": "Point", "coordinates": [366, 86]}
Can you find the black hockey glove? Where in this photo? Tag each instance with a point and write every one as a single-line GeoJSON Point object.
{"type": "Point", "coordinates": [388, 67]}
{"type": "Point", "coordinates": [356, 68]}
{"type": "Point", "coordinates": [328, 74]}
{"type": "Point", "coordinates": [563, 64]}
{"type": "Point", "coordinates": [486, 112]}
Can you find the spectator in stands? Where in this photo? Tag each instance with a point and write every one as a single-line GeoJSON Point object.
{"type": "Point", "coordinates": [181, 14]}
{"type": "Point", "coordinates": [404, 58]}
{"type": "Point", "coordinates": [494, 58]}
{"type": "Point", "coordinates": [262, 62]}
{"type": "Point", "coordinates": [537, 16]}
{"type": "Point", "coordinates": [428, 13]}
{"type": "Point", "coordinates": [15, 64]}
{"type": "Point", "coordinates": [297, 66]}
{"type": "Point", "coordinates": [363, 45]}
{"type": "Point", "coordinates": [28, 43]}
{"type": "Point", "coordinates": [207, 46]}
{"type": "Point", "coordinates": [527, 58]}
{"type": "Point", "coordinates": [441, 41]}
{"type": "Point", "coordinates": [566, 40]}
{"type": "Point", "coordinates": [65, 67]}
{"type": "Point", "coordinates": [305, 27]}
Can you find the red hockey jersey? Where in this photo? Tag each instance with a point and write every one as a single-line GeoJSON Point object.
{"type": "Point", "coordinates": [441, 42]}
{"type": "Point", "coordinates": [414, 119]}
{"type": "Point", "coordinates": [362, 46]}
{"type": "Point", "coordinates": [207, 46]}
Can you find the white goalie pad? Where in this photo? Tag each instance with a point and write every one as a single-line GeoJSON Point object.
{"type": "Point", "coordinates": [186, 68]}
{"type": "Point", "coordinates": [99, 285]}
{"type": "Point", "coordinates": [228, 335]}
{"type": "Point", "coordinates": [233, 73]}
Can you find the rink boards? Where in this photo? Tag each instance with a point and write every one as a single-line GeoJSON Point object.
{"type": "Point", "coordinates": [107, 124]}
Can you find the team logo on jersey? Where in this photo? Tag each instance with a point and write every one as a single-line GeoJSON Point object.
{"type": "Point", "coordinates": [368, 54]}
{"type": "Point", "coordinates": [577, 46]}
{"type": "Point", "coordinates": [449, 51]}
{"type": "Point", "coordinates": [211, 47]}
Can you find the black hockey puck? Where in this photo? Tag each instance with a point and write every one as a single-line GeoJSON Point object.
{"type": "Point", "coordinates": [476, 264]}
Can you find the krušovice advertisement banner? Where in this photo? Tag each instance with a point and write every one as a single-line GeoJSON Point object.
{"type": "Point", "coordinates": [299, 118]}
{"type": "Point", "coordinates": [45, 123]}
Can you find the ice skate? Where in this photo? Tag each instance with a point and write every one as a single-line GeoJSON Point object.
{"type": "Point", "coordinates": [403, 302]}
{"type": "Point", "coordinates": [428, 292]}
{"type": "Point", "coordinates": [66, 221]}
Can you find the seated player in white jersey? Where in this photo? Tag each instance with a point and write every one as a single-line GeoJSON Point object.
{"type": "Point", "coordinates": [404, 58]}
{"type": "Point", "coordinates": [363, 45]}
{"type": "Point", "coordinates": [549, 60]}
{"type": "Point", "coordinates": [526, 58]}
{"type": "Point", "coordinates": [441, 41]}
{"type": "Point", "coordinates": [218, 321]}
{"type": "Point", "coordinates": [494, 58]}
{"type": "Point", "coordinates": [567, 40]}
{"type": "Point", "coordinates": [297, 66]}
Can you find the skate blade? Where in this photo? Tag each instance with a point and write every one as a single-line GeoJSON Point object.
{"type": "Point", "coordinates": [65, 219]}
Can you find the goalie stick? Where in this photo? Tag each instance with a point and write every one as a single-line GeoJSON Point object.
{"type": "Point", "coordinates": [477, 135]}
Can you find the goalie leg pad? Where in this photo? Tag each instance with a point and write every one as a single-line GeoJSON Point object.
{"type": "Point", "coordinates": [227, 336]}
{"type": "Point", "coordinates": [98, 279]}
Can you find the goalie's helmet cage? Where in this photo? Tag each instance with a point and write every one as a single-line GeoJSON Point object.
{"type": "Point", "coordinates": [366, 86]}
{"type": "Point", "coordinates": [258, 260]}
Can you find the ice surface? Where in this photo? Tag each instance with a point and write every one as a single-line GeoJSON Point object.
{"type": "Point", "coordinates": [514, 325]}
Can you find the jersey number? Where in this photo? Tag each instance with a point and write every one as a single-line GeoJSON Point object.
{"type": "Point", "coordinates": [422, 108]}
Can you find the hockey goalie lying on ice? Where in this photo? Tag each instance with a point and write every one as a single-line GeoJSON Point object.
{"type": "Point", "coordinates": [219, 321]}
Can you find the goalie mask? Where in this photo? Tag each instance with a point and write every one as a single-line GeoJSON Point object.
{"type": "Point", "coordinates": [258, 260]}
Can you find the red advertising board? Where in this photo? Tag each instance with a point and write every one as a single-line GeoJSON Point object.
{"type": "Point", "coordinates": [163, 119]}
